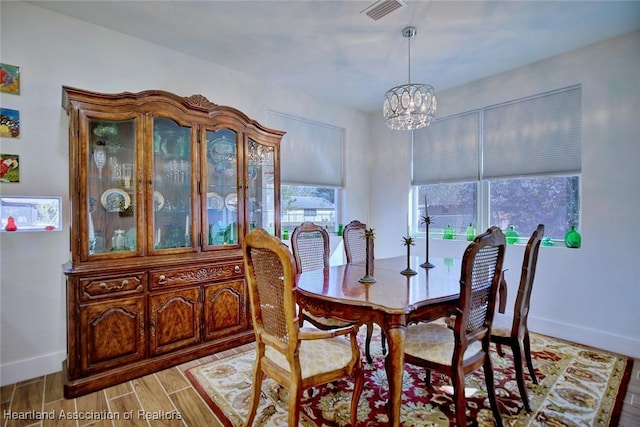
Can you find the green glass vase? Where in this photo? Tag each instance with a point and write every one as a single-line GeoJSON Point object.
{"type": "Point", "coordinates": [572, 239]}
{"type": "Point", "coordinates": [449, 233]}
{"type": "Point", "coordinates": [471, 232]}
{"type": "Point", "coordinates": [512, 235]}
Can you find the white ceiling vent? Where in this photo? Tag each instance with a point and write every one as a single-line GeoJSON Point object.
{"type": "Point", "coordinates": [382, 8]}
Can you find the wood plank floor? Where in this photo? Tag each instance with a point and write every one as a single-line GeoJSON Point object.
{"type": "Point", "coordinates": [161, 395]}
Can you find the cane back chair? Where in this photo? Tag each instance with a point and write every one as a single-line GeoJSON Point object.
{"type": "Point", "coordinates": [513, 330]}
{"type": "Point", "coordinates": [463, 349]}
{"type": "Point", "coordinates": [355, 249]}
{"type": "Point", "coordinates": [295, 358]}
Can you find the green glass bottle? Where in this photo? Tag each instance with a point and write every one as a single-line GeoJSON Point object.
{"type": "Point", "coordinates": [572, 239]}
{"type": "Point", "coordinates": [285, 234]}
{"type": "Point", "coordinates": [512, 235]}
{"type": "Point", "coordinates": [471, 232]}
{"type": "Point", "coordinates": [449, 233]}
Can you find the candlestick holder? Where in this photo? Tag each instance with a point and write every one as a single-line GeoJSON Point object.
{"type": "Point", "coordinates": [368, 278]}
{"type": "Point", "coordinates": [408, 242]}
{"type": "Point", "coordinates": [427, 221]}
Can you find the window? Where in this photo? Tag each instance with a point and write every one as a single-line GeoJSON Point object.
{"type": "Point", "coordinates": [526, 202]}
{"type": "Point", "coordinates": [312, 164]}
{"type": "Point", "coordinates": [513, 164]}
{"type": "Point", "coordinates": [32, 213]}
{"type": "Point", "coordinates": [305, 203]}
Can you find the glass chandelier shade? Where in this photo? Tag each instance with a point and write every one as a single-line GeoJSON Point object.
{"type": "Point", "coordinates": [411, 106]}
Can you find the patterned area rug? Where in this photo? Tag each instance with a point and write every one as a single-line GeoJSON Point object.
{"type": "Point", "coordinates": [577, 386]}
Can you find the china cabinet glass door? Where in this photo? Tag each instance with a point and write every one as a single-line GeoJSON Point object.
{"type": "Point", "coordinates": [260, 175]}
{"type": "Point", "coordinates": [111, 186]}
{"type": "Point", "coordinates": [172, 185]}
{"type": "Point", "coordinates": [220, 211]}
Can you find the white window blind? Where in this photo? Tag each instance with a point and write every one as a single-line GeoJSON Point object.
{"type": "Point", "coordinates": [534, 136]}
{"type": "Point", "coordinates": [447, 151]}
{"type": "Point", "coordinates": [311, 152]}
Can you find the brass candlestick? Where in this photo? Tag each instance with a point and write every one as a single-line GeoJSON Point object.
{"type": "Point", "coordinates": [368, 278]}
{"type": "Point", "coordinates": [408, 242]}
{"type": "Point", "coordinates": [427, 221]}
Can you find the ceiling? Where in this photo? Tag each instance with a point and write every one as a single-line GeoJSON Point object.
{"type": "Point", "coordinates": [331, 50]}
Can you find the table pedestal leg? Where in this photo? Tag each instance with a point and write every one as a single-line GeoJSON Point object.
{"type": "Point", "coordinates": [394, 365]}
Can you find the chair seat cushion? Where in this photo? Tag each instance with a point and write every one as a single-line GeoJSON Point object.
{"type": "Point", "coordinates": [327, 321]}
{"type": "Point", "coordinates": [501, 326]}
{"type": "Point", "coordinates": [317, 356]}
{"type": "Point", "coordinates": [434, 342]}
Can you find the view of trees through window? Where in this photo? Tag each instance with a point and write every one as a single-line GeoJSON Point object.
{"type": "Point", "coordinates": [519, 202]}
{"type": "Point", "coordinates": [301, 203]}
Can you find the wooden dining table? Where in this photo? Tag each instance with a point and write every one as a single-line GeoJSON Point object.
{"type": "Point", "coordinates": [393, 301]}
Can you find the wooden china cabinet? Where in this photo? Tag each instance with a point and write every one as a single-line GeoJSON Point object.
{"type": "Point", "coordinates": [163, 190]}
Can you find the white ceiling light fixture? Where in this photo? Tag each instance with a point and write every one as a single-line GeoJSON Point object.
{"type": "Point", "coordinates": [411, 106]}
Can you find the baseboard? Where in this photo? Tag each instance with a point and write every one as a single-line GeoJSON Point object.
{"type": "Point", "coordinates": [594, 338]}
{"type": "Point", "coordinates": [26, 369]}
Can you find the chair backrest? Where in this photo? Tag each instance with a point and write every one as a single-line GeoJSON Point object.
{"type": "Point", "coordinates": [479, 280]}
{"type": "Point", "coordinates": [310, 247]}
{"type": "Point", "coordinates": [270, 273]}
{"type": "Point", "coordinates": [529, 262]}
{"type": "Point", "coordinates": [355, 245]}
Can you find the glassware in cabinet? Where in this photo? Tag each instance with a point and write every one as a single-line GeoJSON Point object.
{"type": "Point", "coordinates": [172, 185]}
{"type": "Point", "coordinates": [261, 186]}
{"type": "Point", "coordinates": [220, 213]}
{"type": "Point", "coordinates": [111, 185]}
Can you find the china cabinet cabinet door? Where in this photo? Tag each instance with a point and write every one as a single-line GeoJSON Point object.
{"type": "Point", "coordinates": [224, 309]}
{"type": "Point", "coordinates": [112, 179]}
{"type": "Point", "coordinates": [261, 205]}
{"type": "Point", "coordinates": [174, 320]}
{"type": "Point", "coordinates": [171, 227]}
{"type": "Point", "coordinates": [114, 333]}
{"type": "Point", "coordinates": [220, 206]}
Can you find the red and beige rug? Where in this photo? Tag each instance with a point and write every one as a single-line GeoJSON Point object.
{"type": "Point", "coordinates": [578, 386]}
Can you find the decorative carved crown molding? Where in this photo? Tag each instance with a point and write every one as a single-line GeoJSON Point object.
{"type": "Point", "coordinates": [200, 101]}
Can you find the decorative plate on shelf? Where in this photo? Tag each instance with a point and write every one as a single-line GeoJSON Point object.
{"type": "Point", "coordinates": [115, 200]}
{"type": "Point", "coordinates": [158, 200]}
{"type": "Point", "coordinates": [231, 201]}
{"type": "Point", "coordinates": [215, 201]}
{"type": "Point", "coordinates": [221, 149]}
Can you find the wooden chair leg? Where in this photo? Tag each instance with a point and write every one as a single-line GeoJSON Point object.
{"type": "Point", "coordinates": [491, 391]}
{"type": "Point", "coordinates": [499, 350]}
{"type": "Point", "coordinates": [358, 385]}
{"type": "Point", "coordinates": [295, 397]}
{"type": "Point", "coordinates": [527, 353]}
{"type": "Point", "coordinates": [459, 398]}
{"type": "Point", "coordinates": [516, 349]}
{"type": "Point", "coordinates": [255, 395]}
{"type": "Point", "coordinates": [383, 342]}
{"type": "Point", "coordinates": [368, 342]}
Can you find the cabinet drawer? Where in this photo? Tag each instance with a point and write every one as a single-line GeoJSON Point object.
{"type": "Point", "coordinates": [200, 274]}
{"type": "Point", "coordinates": [108, 286]}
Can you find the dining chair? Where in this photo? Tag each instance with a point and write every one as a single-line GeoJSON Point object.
{"type": "Point", "coordinates": [463, 349]}
{"type": "Point", "coordinates": [355, 249]}
{"type": "Point", "coordinates": [311, 250]}
{"type": "Point", "coordinates": [296, 358]}
{"type": "Point", "coordinates": [512, 330]}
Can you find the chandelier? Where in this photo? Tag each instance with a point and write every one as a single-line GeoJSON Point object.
{"type": "Point", "coordinates": [411, 106]}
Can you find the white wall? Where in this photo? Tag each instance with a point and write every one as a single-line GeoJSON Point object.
{"type": "Point", "coordinates": [589, 295]}
{"type": "Point", "coordinates": [51, 51]}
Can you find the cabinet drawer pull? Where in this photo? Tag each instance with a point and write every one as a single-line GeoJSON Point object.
{"type": "Point", "coordinates": [162, 279]}
{"type": "Point", "coordinates": [237, 269]}
{"type": "Point", "coordinates": [122, 284]}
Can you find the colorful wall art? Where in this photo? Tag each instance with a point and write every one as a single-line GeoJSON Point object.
{"type": "Point", "coordinates": [9, 79]}
{"type": "Point", "coordinates": [9, 168]}
{"type": "Point", "coordinates": [9, 123]}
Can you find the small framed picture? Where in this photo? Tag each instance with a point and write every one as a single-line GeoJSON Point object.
{"type": "Point", "coordinates": [9, 79]}
{"type": "Point", "coordinates": [9, 123]}
{"type": "Point", "coordinates": [9, 168]}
